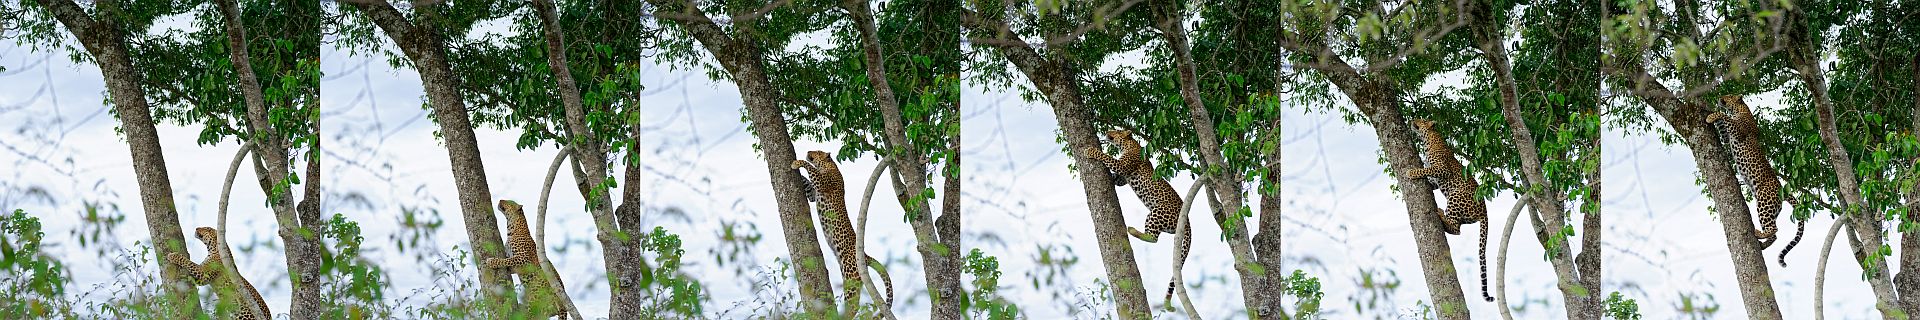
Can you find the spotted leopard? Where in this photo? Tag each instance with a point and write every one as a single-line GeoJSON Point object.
{"type": "Point", "coordinates": [1163, 202]}
{"type": "Point", "coordinates": [541, 296]}
{"type": "Point", "coordinates": [829, 190]}
{"type": "Point", "coordinates": [1743, 133]}
{"type": "Point", "coordinates": [1463, 206]}
{"type": "Point", "coordinates": [212, 272]}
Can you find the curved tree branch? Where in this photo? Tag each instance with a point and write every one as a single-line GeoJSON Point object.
{"type": "Point", "coordinates": [1500, 267]}
{"type": "Point", "coordinates": [859, 238]}
{"type": "Point", "coordinates": [1179, 283]}
{"type": "Point", "coordinates": [1820, 276]}
{"type": "Point", "coordinates": [233, 264]}
{"type": "Point", "coordinates": [540, 235]}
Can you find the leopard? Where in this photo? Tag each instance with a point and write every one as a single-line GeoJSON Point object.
{"type": "Point", "coordinates": [1742, 131]}
{"type": "Point", "coordinates": [1162, 201]}
{"type": "Point", "coordinates": [1463, 205]}
{"type": "Point", "coordinates": [829, 191]}
{"type": "Point", "coordinates": [212, 272]}
{"type": "Point", "coordinates": [542, 296]}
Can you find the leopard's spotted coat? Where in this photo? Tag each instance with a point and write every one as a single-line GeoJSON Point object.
{"type": "Point", "coordinates": [1742, 131]}
{"type": "Point", "coordinates": [212, 272]}
{"type": "Point", "coordinates": [1463, 205]}
{"type": "Point", "coordinates": [828, 189]}
{"type": "Point", "coordinates": [541, 297]}
{"type": "Point", "coordinates": [1163, 202]}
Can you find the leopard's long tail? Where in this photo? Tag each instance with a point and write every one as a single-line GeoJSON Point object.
{"type": "Point", "coordinates": [884, 279]}
{"type": "Point", "coordinates": [1186, 245]}
{"type": "Point", "coordinates": [1485, 225]}
{"type": "Point", "coordinates": [1795, 241]}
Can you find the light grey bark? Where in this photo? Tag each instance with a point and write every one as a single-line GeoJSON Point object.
{"type": "Point", "coordinates": [1579, 278]}
{"type": "Point", "coordinates": [1500, 266]}
{"type": "Point", "coordinates": [232, 262]}
{"type": "Point", "coordinates": [1865, 225]}
{"type": "Point", "coordinates": [1225, 183]}
{"type": "Point", "coordinates": [426, 47]}
{"type": "Point", "coordinates": [940, 251]}
{"type": "Point", "coordinates": [1820, 273]}
{"type": "Point", "coordinates": [108, 45]}
{"type": "Point", "coordinates": [540, 237]}
{"type": "Point", "coordinates": [1267, 245]}
{"type": "Point", "coordinates": [622, 252]}
{"type": "Point", "coordinates": [1055, 77]}
{"type": "Point", "coordinates": [742, 59]}
{"type": "Point", "coordinates": [270, 154]}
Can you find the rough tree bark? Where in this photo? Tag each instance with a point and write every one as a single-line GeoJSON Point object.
{"type": "Point", "coordinates": [741, 57]}
{"type": "Point", "coordinates": [622, 251]}
{"type": "Point", "coordinates": [1225, 184]}
{"type": "Point", "coordinates": [426, 47]}
{"type": "Point", "coordinates": [1579, 278]}
{"type": "Point", "coordinates": [1056, 77]}
{"type": "Point", "coordinates": [1688, 120]}
{"type": "Point", "coordinates": [938, 248]}
{"type": "Point", "coordinates": [272, 168]}
{"type": "Point", "coordinates": [107, 43]}
{"type": "Point", "coordinates": [1376, 96]}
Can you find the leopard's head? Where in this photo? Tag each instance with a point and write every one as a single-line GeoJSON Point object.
{"type": "Point", "coordinates": [206, 235]}
{"type": "Point", "coordinates": [1423, 124]}
{"type": "Point", "coordinates": [819, 157]}
{"type": "Point", "coordinates": [509, 206]}
{"type": "Point", "coordinates": [1119, 135]}
{"type": "Point", "coordinates": [1733, 102]}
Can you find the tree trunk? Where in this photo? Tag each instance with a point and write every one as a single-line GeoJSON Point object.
{"type": "Point", "coordinates": [302, 257]}
{"type": "Point", "coordinates": [940, 253]}
{"type": "Point", "coordinates": [424, 46]}
{"type": "Point", "coordinates": [1579, 287]}
{"type": "Point", "coordinates": [1908, 282]}
{"type": "Point", "coordinates": [1267, 244]}
{"type": "Point", "coordinates": [1688, 120]}
{"type": "Point", "coordinates": [591, 156]}
{"type": "Point", "coordinates": [1865, 224]}
{"type": "Point", "coordinates": [1378, 101]}
{"type": "Point", "coordinates": [742, 59]}
{"type": "Point", "coordinates": [108, 46]}
{"type": "Point", "coordinates": [1226, 183]}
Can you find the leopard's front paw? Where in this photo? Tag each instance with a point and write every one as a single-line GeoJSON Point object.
{"type": "Point", "coordinates": [797, 164]}
{"type": "Point", "coordinates": [1091, 151]}
{"type": "Point", "coordinates": [177, 257]}
{"type": "Point", "coordinates": [1715, 117]}
{"type": "Point", "coordinates": [499, 263]}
